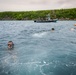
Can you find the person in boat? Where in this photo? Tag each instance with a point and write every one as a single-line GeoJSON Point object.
{"type": "Point", "coordinates": [10, 45]}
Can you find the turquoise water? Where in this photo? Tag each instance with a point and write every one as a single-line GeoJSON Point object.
{"type": "Point", "coordinates": [38, 50]}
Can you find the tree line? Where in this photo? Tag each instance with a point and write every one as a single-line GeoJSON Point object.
{"type": "Point", "coordinates": [62, 14]}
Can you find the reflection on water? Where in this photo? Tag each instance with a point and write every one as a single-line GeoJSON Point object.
{"type": "Point", "coordinates": [38, 50]}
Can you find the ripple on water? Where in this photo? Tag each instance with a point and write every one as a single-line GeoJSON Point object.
{"type": "Point", "coordinates": [38, 51]}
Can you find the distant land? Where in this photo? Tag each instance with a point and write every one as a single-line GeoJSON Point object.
{"type": "Point", "coordinates": [60, 14]}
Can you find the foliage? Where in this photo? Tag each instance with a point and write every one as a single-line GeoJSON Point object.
{"type": "Point", "coordinates": [31, 15]}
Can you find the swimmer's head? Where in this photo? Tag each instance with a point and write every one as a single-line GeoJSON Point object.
{"type": "Point", "coordinates": [52, 29]}
{"type": "Point", "coordinates": [10, 45]}
{"type": "Point", "coordinates": [74, 24]}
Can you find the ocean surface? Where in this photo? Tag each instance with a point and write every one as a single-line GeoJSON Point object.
{"type": "Point", "coordinates": [37, 49]}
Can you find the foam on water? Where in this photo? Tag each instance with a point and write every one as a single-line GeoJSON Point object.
{"type": "Point", "coordinates": [40, 34]}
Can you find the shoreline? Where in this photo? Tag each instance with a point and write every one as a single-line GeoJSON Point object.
{"type": "Point", "coordinates": [33, 20]}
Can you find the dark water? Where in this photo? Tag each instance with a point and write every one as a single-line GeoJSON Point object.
{"type": "Point", "coordinates": [38, 50]}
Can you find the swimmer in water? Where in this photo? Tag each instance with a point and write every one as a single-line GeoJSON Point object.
{"type": "Point", "coordinates": [74, 24]}
{"type": "Point", "coordinates": [52, 29]}
{"type": "Point", "coordinates": [10, 45]}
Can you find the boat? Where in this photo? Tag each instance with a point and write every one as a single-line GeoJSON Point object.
{"type": "Point", "coordinates": [45, 21]}
{"type": "Point", "coordinates": [48, 19]}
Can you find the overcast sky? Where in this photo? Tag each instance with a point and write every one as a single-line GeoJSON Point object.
{"type": "Point", "coordinates": [30, 5]}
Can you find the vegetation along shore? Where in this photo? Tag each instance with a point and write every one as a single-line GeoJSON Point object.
{"type": "Point", "coordinates": [61, 14]}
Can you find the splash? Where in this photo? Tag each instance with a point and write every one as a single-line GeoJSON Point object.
{"type": "Point", "coordinates": [40, 35]}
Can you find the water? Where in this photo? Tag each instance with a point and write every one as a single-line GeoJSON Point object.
{"type": "Point", "coordinates": [38, 50]}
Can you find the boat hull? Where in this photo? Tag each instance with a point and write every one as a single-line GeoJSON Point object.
{"type": "Point", "coordinates": [44, 21]}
